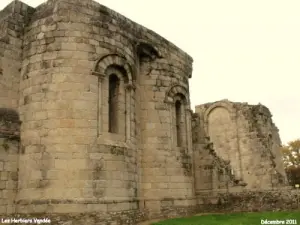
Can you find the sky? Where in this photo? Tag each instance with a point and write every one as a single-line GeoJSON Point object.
{"type": "Point", "coordinates": [244, 51]}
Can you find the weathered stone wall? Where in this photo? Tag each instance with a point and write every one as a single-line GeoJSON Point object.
{"type": "Point", "coordinates": [63, 107]}
{"type": "Point", "coordinates": [216, 202]}
{"type": "Point", "coordinates": [12, 20]}
{"type": "Point", "coordinates": [107, 128]}
{"type": "Point", "coordinates": [70, 49]}
{"type": "Point", "coordinates": [264, 142]}
{"type": "Point", "coordinates": [278, 199]}
{"type": "Point", "coordinates": [218, 122]}
{"type": "Point", "coordinates": [212, 173]}
{"type": "Point", "coordinates": [9, 149]}
{"type": "Point", "coordinates": [245, 135]}
{"type": "Point", "coordinates": [166, 166]}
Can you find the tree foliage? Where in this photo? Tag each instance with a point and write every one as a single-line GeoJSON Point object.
{"type": "Point", "coordinates": [291, 160]}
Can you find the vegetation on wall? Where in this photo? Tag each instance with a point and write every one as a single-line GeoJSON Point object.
{"type": "Point", "coordinates": [291, 160]}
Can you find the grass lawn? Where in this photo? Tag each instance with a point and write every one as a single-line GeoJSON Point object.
{"type": "Point", "coordinates": [236, 219]}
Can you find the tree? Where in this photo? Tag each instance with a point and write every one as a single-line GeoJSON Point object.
{"type": "Point", "coordinates": [291, 161]}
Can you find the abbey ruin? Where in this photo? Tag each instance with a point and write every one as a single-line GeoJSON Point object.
{"type": "Point", "coordinates": [96, 125]}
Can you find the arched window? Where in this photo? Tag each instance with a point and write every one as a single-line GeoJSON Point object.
{"type": "Point", "coordinates": [113, 103]}
{"type": "Point", "coordinates": [178, 98]}
{"type": "Point", "coordinates": [115, 98]}
{"type": "Point", "coordinates": [178, 123]}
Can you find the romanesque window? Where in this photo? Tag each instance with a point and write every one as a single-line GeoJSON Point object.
{"type": "Point", "coordinates": [177, 97]}
{"type": "Point", "coordinates": [113, 103]}
{"type": "Point", "coordinates": [178, 123]}
{"type": "Point", "coordinates": [116, 97]}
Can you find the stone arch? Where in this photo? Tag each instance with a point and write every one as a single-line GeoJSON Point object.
{"type": "Point", "coordinates": [180, 116]}
{"type": "Point", "coordinates": [219, 128]}
{"type": "Point", "coordinates": [118, 71]}
{"type": "Point", "coordinates": [221, 125]}
{"type": "Point", "coordinates": [146, 49]}
{"type": "Point", "coordinates": [106, 66]}
{"type": "Point", "coordinates": [176, 90]}
{"type": "Point", "coordinates": [224, 104]}
{"type": "Point", "coordinates": [114, 59]}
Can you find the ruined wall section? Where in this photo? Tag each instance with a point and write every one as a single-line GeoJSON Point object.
{"type": "Point", "coordinates": [212, 173]}
{"type": "Point", "coordinates": [262, 142]}
{"type": "Point", "coordinates": [12, 20]}
{"type": "Point", "coordinates": [9, 156]}
{"type": "Point", "coordinates": [248, 134]}
{"type": "Point", "coordinates": [219, 121]}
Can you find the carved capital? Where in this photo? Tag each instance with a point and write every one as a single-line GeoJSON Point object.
{"type": "Point", "coordinates": [130, 87]}
{"type": "Point", "coordinates": [169, 100]}
{"type": "Point", "coordinates": [100, 75]}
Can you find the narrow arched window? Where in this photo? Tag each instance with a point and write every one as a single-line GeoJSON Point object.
{"type": "Point", "coordinates": [178, 123]}
{"type": "Point", "coordinates": [113, 102]}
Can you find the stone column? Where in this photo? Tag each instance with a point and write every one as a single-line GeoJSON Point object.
{"type": "Point", "coordinates": [99, 102]}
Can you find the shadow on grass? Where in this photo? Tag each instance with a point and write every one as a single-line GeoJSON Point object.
{"type": "Point", "coordinates": [236, 219]}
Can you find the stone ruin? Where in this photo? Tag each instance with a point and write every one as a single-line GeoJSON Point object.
{"type": "Point", "coordinates": [96, 125]}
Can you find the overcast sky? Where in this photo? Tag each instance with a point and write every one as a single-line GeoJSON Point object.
{"type": "Point", "coordinates": [245, 51]}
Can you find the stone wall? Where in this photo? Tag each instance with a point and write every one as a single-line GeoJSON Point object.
{"type": "Point", "coordinates": [12, 21]}
{"type": "Point", "coordinates": [246, 136]}
{"type": "Point", "coordinates": [9, 152]}
{"type": "Point", "coordinates": [70, 50]}
{"type": "Point", "coordinates": [278, 199]}
{"type": "Point", "coordinates": [211, 172]}
{"type": "Point", "coordinates": [107, 128]}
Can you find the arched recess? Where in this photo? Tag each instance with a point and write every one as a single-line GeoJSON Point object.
{"type": "Point", "coordinates": [177, 97]}
{"type": "Point", "coordinates": [115, 107]}
{"type": "Point", "coordinates": [220, 129]}
{"type": "Point", "coordinates": [147, 50]}
{"type": "Point", "coordinates": [224, 104]}
{"type": "Point", "coordinates": [221, 126]}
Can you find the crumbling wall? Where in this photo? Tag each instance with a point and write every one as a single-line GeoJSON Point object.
{"type": "Point", "coordinates": [212, 173]}
{"type": "Point", "coordinates": [219, 123]}
{"type": "Point", "coordinates": [276, 200]}
{"type": "Point", "coordinates": [9, 149]}
{"type": "Point", "coordinates": [245, 135]}
{"type": "Point", "coordinates": [260, 136]}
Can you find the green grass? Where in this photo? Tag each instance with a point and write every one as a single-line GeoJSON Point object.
{"type": "Point", "coordinates": [234, 219]}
